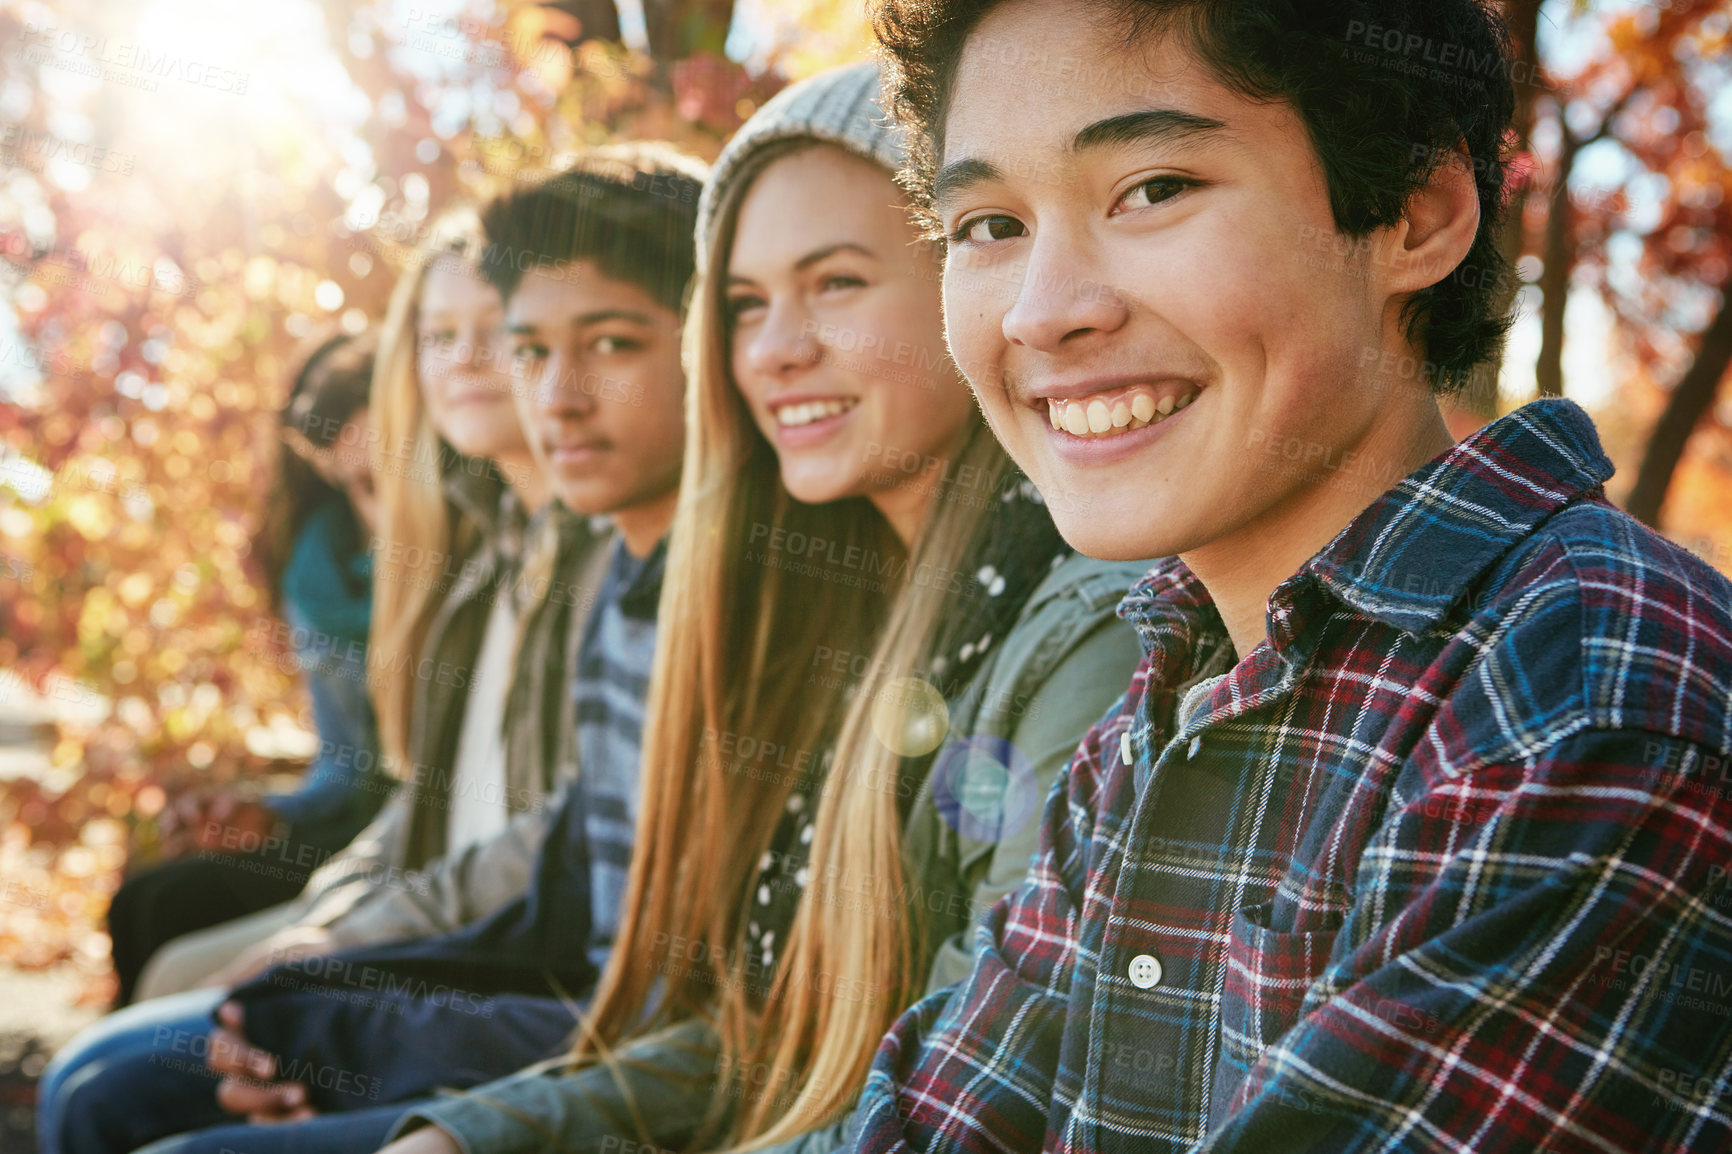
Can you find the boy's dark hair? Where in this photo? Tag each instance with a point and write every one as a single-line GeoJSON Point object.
{"type": "Point", "coordinates": [1386, 89]}
{"type": "Point", "coordinates": [630, 210]}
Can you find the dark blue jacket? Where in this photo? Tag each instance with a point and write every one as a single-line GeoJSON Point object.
{"type": "Point", "coordinates": [327, 602]}
{"type": "Point", "coordinates": [433, 1012]}
{"type": "Point", "coordinates": [422, 1014]}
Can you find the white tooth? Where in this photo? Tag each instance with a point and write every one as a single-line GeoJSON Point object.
{"type": "Point", "coordinates": [1166, 405]}
{"type": "Point", "coordinates": [1143, 407]}
{"type": "Point", "coordinates": [1122, 414]}
{"type": "Point", "coordinates": [1100, 417]}
{"type": "Point", "coordinates": [1185, 400]}
{"type": "Point", "coordinates": [1052, 413]}
{"type": "Point", "coordinates": [1075, 420]}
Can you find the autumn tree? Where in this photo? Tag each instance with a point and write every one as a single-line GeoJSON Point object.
{"type": "Point", "coordinates": [180, 205]}
{"type": "Point", "coordinates": [1657, 246]}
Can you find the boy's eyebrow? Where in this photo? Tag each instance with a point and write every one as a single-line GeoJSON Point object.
{"type": "Point", "coordinates": [599, 316]}
{"type": "Point", "coordinates": [602, 316]}
{"type": "Point", "coordinates": [960, 175]}
{"type": "Point", "coordinates": [1150, 126]}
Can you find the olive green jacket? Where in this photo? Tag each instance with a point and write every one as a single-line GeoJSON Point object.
{"type": "Point", "coordinates": [1067, 659]}
{"type": "Point", "coordinates": [396, 881]}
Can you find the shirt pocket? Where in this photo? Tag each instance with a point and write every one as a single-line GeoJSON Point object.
{"type": "Point", "coordinates": [1267, 975]}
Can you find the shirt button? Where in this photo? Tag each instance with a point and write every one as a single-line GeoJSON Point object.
{"type": "Point", "coordinates": [1196, 744]}
{"type": "Point", "coordinates": [1145, 971]}
{"type": "Point", "coordinates": [1125, 747]}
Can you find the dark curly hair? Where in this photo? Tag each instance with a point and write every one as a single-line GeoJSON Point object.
{"type": "Point", "coordinates": [1386, 89]}
{"type": "Point", "coordinates": [629, 209]}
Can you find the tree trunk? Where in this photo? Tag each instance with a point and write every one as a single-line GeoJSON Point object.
{"type": "Point", "coordinates": [678, 28]}
{"type": "Point", "coordinates": [1691, 397]}
{"type": "Point", "coordinates": [596, 19]}
{"type": "Point", "coordinates": [1523, 19]}
{"type": "Point", "coordinates": [1559, 255]}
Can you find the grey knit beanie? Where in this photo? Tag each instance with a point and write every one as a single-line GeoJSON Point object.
{"type": "Point", "coordinates": [838, 107]}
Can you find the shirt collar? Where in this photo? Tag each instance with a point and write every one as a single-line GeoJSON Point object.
{"type": "Point", "coordinates": [639, 579]}
{"type": "Point", "coordinates": [1413, 553]}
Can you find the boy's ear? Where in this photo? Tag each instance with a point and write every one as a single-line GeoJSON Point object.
{"type": "Point", "coordinates": [1437, 228]}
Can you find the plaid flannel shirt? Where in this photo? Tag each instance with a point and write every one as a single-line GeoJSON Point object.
{"type": "Point", "coordinates": [1439, 866]}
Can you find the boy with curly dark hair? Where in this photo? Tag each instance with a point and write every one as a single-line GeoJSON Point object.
{"type": "Point", "coordinates": [1412, 829]}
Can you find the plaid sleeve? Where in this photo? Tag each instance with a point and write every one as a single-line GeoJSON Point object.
{"type": "Point", "coordinates": [1539, 957]}
{"type": "Point", "coordinates": [973, 1067]}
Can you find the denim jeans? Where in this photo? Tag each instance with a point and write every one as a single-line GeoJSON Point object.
{"type": "Point", "coordinates": [139, 1075]}
{"type": "Point", "coordinates": [136, 1075]}
{"type": "Point", "coordinates": [354, 1132]}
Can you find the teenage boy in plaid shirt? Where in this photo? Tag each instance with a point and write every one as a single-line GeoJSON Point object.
{"type": "Point", "coordinates": [1412, 831]}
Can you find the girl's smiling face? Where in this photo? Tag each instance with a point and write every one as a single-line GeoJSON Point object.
{"type": "Point", "coordinates": [460, 362]}
{"type": "Point", "coordinates": [837, 333]}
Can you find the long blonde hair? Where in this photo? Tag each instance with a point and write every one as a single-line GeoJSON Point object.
{"type": "Point", "coordinates": [409, 465]}
{"type": "Point", "coordinates": [735, 660]}
{"type": "Point", "coordinates": [858, 953]}
{"type": "Point", "coordinates": [732, 661]}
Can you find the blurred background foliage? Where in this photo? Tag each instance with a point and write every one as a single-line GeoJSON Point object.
{"type": "Point", "coordinates": [190, 187]}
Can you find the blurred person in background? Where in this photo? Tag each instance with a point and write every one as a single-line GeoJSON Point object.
{"type": "Point", "coordinates": [463, 503]}
{"type": "Point", "coordinates": [474, 587]}
{"type": "Point", "coordinates": [313, 549]}
{"type": "Point", "coordinates": [593, 265]}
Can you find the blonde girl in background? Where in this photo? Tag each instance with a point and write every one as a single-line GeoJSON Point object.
{"type": "Point", "coordinates": [457, 494]}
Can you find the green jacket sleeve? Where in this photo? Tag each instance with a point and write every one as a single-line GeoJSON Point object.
{"type": "Point", "coordinates": [1063, 665]}
{"type": "Point", "coordinates": [656, 1093]}
{"type": "Point", "coordinates": [1089, 679]}
{"type": "Point", "coordinates": [451, 891]}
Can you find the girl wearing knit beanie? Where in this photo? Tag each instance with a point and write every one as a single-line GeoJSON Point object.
{"type": "Point", "coordinates": [850, 727]}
